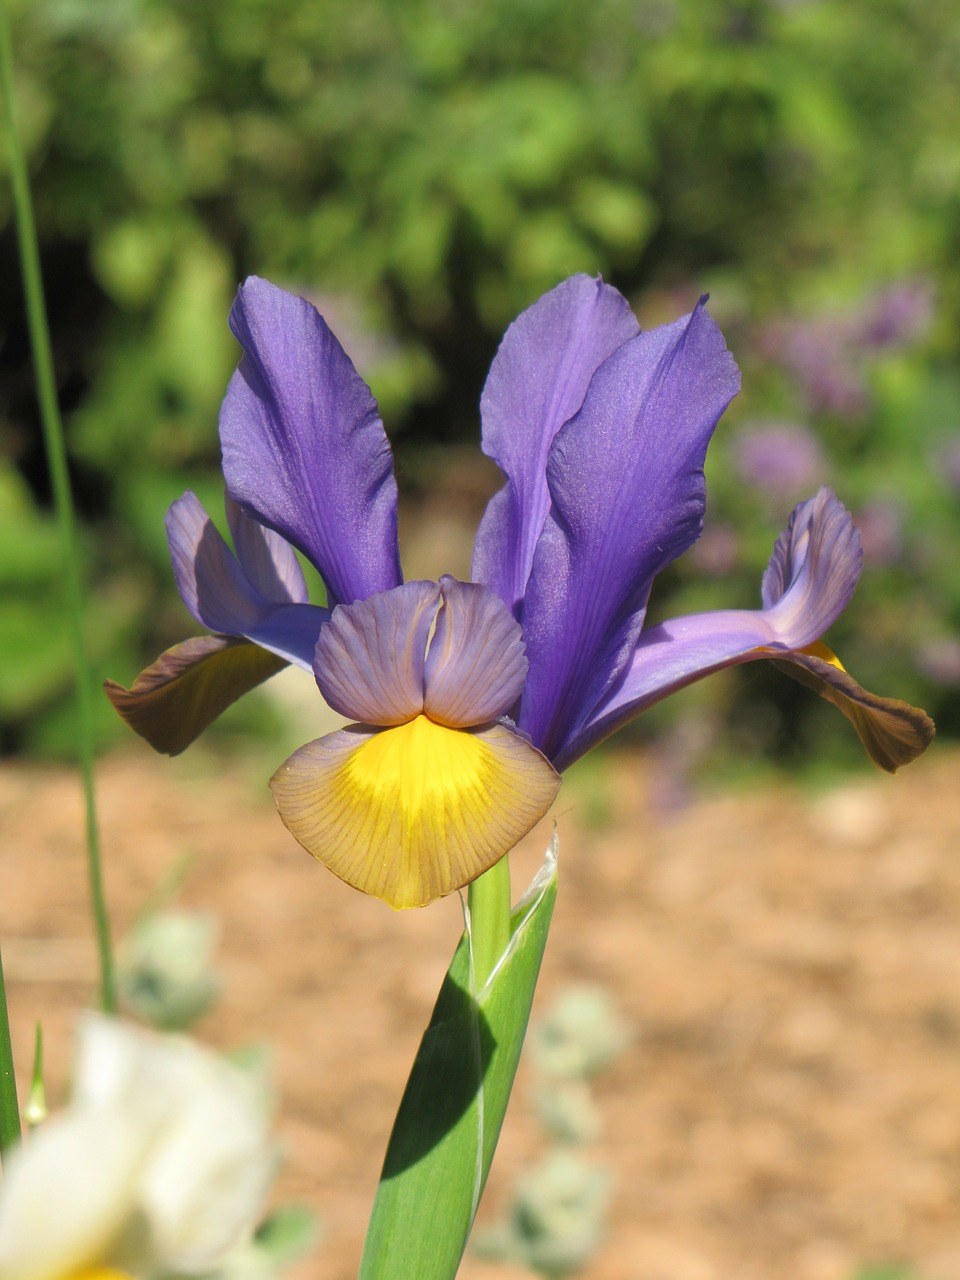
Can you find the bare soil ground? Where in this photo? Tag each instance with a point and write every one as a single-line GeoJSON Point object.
{"type": "Point", "coordinates": [789, 1104]}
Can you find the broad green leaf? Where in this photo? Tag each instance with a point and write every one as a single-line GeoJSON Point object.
{"type": "Point", "coordinates": [449, 1121]}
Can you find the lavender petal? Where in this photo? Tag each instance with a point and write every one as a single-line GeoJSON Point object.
{"type": "Point", "coordinates": [369, 660]}
{"type": "Point", "coordinates": [219, 594]}
{"type": "Point", "coordinates": [475, 665]}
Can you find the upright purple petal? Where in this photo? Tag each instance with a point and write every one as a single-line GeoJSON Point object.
{"type": "Point", "coordinates": [476, 664]}
{"type": "Point", "coordinates": [209, 578]}
{"type": "Point", "coordinates": [369, 661]}
{"type": "Point", "coordinates": [304, 449]}
{"type": "Point", "coordinates": [269, 561]}
{"type": "Point", "coordinates": [536, 383]}
{"type": "Point", "coordinates": [811, 576]}
{"type": "Point", "coordinates": [220, 595]}
{"type": "Point", "coordinates": [815, 565]}
{"type": "Point", "coordinates": [626, 480]}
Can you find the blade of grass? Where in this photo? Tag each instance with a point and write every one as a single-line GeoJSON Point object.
{"type": "Point", "coordinates": [63, 498]}
{"type": "Point", "coordinates": [9, 1106]}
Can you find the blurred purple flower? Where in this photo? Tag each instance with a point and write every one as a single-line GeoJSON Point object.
{"type": "Point", "coordinates": [827, 354]}
{"type": "Point", "coordinates": [939, 659]}
{"type": "Point", "coordinates": [778, 459]}
{"type": "Point", "coordinates": [717, 551]}
{"type": "Point", "coordinates": [467, 698]}
{"type": "Point", "coordinates": [881, 532]}
{"type": "Point", "coordinates": [897, 316]}
{"type": "Point", "coordinates": [949, 462]}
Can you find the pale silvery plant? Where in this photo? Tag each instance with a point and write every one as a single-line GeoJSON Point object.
{"type": "Point", "coordinates": [165, 973]}
{"type": "Point", "coordinates": [160, 1164]}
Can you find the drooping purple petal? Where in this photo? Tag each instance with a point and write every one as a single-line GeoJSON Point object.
{"type": "Point", "coordinates": [536, 383]}
{"type": "Point", "coordinates": [811, 576]}
{"type": "Point", "coordinates": [304, 449]}
{"type": "Point", "coordinates": [892, 732]}
{"type": "Point", "coordinates": [369, 660]}
{"type": "Point", "coordinates": [626, 480]}
{"type": "Point", "coordinates": [220, 595]}
{"type": "Point", "coordinates": [476, 665]}
{"type": "Point", "coordinates": [178, 696]}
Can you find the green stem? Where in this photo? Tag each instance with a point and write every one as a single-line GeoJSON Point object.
{"type": "Point", "coordinates": [9, 1106]}
{"type": "Point", "coordinates": [63, 499]}
{"type": "Point", "coordinates": [488, 899]}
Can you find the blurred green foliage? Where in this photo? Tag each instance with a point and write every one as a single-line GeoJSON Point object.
{"type": "Point", "coordinates": [425, 170]}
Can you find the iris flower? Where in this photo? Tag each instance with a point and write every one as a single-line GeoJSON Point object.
{"type": "Point", "coordinates": [468, 699]}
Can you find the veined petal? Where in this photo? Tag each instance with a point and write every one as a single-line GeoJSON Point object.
{"type": "Point", "coordinates": [626, 480]}
{"type": "Point", "coordinates": [369, 661]}
{"type": "Point", "coordinates": [810, 578]}
{"type": "Point", "coordinates": [411, 813]}
{"type": "Point", "coordinates": [536, 383]}
{"type": "Point", "coordinates": [892, 732]}
{"type": "Point", "coordinates": [179, 695]}
{"type": "Point", "coordinates": [814, 568]}
{"type": "Point", "coordinates": [304, 449]}
{"type": "Point", "coordinates": [476, 664]}
{"type": "Point", "coordinates": [259, 593]}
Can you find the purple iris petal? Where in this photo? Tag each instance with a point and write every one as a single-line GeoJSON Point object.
{"type": "Point", "coordinates": [626, 479]}
{"type": "Point", "coordinates": [536, 383]}
{"type": "Point", "coordinates": [304, 449]}
{"type": "Point", "coordinates": [811, 576]}
{"type": "Point", "coordinates": [268, 560]}
{"type": "Point", "coordinates": [369, 660]}
{"type": "Point", "coordinates": [218, 592]}
{"type": "Point", "coordinates": [476, 664]}
{"type": "Point", "coordinates": [814, 568]}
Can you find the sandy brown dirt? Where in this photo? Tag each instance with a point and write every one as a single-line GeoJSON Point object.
{"type": "Point", "coordinates": [790, 968]}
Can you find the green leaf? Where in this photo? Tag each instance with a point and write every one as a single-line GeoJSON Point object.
{"type": "Point", "coordinates": [449, 1121]}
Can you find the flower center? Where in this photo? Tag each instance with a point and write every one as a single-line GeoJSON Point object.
{"type": "Point", "coordinates": [429, 773]}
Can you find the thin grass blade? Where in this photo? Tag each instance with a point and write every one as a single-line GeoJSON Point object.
{"type": "Point", "coordinates": [63, 497]}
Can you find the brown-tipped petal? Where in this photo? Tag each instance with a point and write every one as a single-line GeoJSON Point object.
{"type": "Point", "coordinates": [411, 813]}
{"type": "Point", "coordinates": [892, 732]}
{"type": "Point", "coordinates": [174, 699]}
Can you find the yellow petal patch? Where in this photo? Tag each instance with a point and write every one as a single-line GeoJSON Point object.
{"type": "Point", "coordinates": [892, 732]}
{"type": "Point", "coordinates": [411, 813]}
{"type": "Point", "coordinates": [100, 1273]}
{"type": "Point", "coordinates": [174, 699]}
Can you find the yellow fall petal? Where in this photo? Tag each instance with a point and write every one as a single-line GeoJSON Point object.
{"type": "Point", "coordinates": [411, 813]}
{"type": "Point", "coordinates": [892, 732]}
